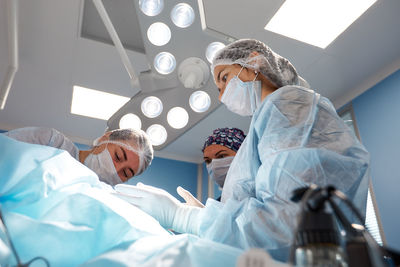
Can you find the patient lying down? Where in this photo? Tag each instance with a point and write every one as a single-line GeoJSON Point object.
{"type": "Point", "coordinates": [55, 207]}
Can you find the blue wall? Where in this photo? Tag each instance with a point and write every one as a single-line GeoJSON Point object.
{"type": "Point", "coordinates": [377, 114]}
{"type": "Point", "coordinates": [168, 175]}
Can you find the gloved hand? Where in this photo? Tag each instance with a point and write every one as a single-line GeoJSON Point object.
{"type": "Point", "coordinates": [189, 198]}
{"type": "Point", "coordinates": [157, 202]}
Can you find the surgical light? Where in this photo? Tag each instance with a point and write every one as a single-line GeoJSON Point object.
{"type": "Point", "coordinates": [130, 121]}
{"type": "Point", "coordinates": [151, 106]}
{"type": "Point", "coordinates": [182, 15]}
{"type": "Point", "coordinates": [157, 133]}
{"type": "Point", "coordinates": [212, 49]}
{"type": "Point", "coordinates": [159, 34]}
{"type": "Point", "coordinates": [151, 7]}
{"type": "Point", "coordinates": [316, 22]}
{"type": "Point", "coordinates": [193, 73]}
{"type": "Point", "coordinates": [177, 117]}
{"type": "Point", "coordinates": [164, 63]}
{"type": "Point", "coordinates": [200, 101]}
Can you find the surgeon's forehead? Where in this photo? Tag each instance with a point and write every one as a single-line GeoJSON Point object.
{"type": "Point", "coordinates": [213, 149]}
{"type": "Point", "coordinates": [219, 68]}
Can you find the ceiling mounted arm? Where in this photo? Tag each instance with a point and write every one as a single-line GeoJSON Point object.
{"type": "Point", "coordinates": [12, 13]}
{"type": "Point", "coordinates": [117, 42]}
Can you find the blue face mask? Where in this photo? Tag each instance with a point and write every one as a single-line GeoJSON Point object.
{"type": "Point", "coordinates": [242, 98]}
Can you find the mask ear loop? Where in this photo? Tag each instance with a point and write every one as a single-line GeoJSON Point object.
{"type": "Point", "coordinates": [254, 71]}
{"type": "Point", "coordinates": [256, 76]}
{"type": "Point", "coordinates": [240, 72]}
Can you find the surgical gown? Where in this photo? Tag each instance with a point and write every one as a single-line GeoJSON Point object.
{"type": "Point", "coordinates": [44, 136]}
{"type": "Point", "coordinates": [295, 138]}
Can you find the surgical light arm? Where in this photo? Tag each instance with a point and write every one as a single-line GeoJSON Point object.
{"type": "Point", "coordinates": [12, 13]}
{"type": "Point", "coordinates": [117, 42]}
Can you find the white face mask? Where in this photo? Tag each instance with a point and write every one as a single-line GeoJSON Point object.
{"type": "Point", "coordinates": [218, 168]}
{"type": "Point", "coordinates": [102, 164]}
{"type": "Point", "coordinates": [139, 153]}
{"type": "Point", "coordinates": [242, 98]}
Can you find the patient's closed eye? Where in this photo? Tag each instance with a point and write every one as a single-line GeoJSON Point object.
{"type": "Point", "coordinates": [128, 172]}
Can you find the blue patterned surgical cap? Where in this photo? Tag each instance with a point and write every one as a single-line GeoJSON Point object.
{"type": "Point", "coordinates": [231, 138]}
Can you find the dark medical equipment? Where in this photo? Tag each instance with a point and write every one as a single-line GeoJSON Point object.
{"type": "Point", "coordinates": [318, 241]}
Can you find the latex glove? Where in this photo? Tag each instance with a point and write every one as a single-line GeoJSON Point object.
{"type": "Point", "coordinates": [189, 198]}
{"type": "Point", "coordinates": [157, 202]}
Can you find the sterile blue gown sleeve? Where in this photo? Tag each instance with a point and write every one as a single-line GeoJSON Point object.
{"type": "Point", "coordinates": [44, 136]}
{"type": "Point", "coordinates": [295, 138]}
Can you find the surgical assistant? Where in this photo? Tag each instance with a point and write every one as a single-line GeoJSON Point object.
{"type": "Point", "coordinates": [115, 157]}
{"type": "Point", "coordinates": [295, 138]}
{"type": "Point", "coordinates": [219, 149]}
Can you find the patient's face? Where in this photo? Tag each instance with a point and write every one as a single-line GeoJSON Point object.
{"type": "Point", "coordinates": [126, 162]}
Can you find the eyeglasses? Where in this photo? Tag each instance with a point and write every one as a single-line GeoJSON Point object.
{"type": "Point", "coordinates": [39, 259]}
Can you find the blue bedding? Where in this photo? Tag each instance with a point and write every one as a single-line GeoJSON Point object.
{"type": "Point", "coordinates": [55, 207]}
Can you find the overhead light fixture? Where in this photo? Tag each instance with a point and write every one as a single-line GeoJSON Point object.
{"type": "Point", "coordinates": [95, 104]}
{"type": "Point", "coordinates": [182, 15]}
{"type": "Point", "coordinates": [151, 106]}
{"type": "Point", "coordinates": [316, 22]}
{"type": "Point", "coordinates": [199, 101]}
{"type": "Point", "coordinates": [177, 117]}
{"type": "Point", "coordinates": [164, 63]}
{"type": "Point", "coordinates": [157, 133]}
{"type": "Point", "coordinates": [159, 34]}
{"type": "Point", "coordinates": [212, 49]}
{"type": "Point", "coordinates": [151, 7]}
{"type": "Point", "coordinates": [130, 121]}
{"type": "Point", "coordinates": [193, 73]}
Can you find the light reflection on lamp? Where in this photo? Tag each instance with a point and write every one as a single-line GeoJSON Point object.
{"type": "Point", "coordinates": [200, 101]}
{"type": "Point", "coordinates": [159, 34]}
{"type": "Point", "coordinates": [157, 134]}
{"type": "Point", "coordinates": [177, 117]}
{"type": "Point", "coordinates": [182, 15]}
{"type": "Point", "coordinates": [151, 106]}
{"type": "Point", "coordinates": [164, 63]}
{"type": "Point", "coordinates": [212, 49]}
{"type": "Point", "coordinates": [130, 121]}
{"type": "Point", "coordinates": [151, 7]}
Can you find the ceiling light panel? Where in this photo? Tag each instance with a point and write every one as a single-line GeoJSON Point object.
{"type": "Point", "coordinates": [95, 104]}
{"type": "Point", "coordinates": [316, 22]}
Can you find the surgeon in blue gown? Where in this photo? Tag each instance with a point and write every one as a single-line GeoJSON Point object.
{"type": "Point", "coordinates": [295, 139]}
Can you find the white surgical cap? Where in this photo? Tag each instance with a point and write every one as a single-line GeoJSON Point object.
{"type": "Point", "coordinates": [275, 68]}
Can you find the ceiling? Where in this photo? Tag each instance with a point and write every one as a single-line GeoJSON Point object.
{"type": "Point", "coordinates": [58, 49]}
